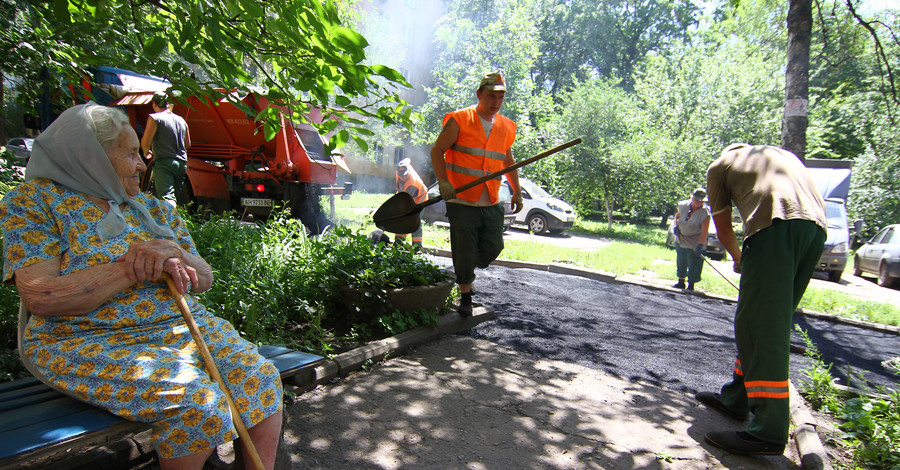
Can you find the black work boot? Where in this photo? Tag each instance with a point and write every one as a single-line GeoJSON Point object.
{"type": "Point", "coordinates": [680, 284]}
{"type": "Point", "coordinates": [465, 305]}
{"type": "Point", "coordinates": [690, 286]}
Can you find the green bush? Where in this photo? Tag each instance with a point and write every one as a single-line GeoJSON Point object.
{"type": "Point", "coordinates": [278, 286]}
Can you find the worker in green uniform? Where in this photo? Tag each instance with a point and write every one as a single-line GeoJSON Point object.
{"type": "Point", "coordinates": [784, 234]}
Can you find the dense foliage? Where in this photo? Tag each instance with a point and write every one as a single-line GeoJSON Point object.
{"type": "Point", "coordinates": [276, 285]}
{"type": "Point", "coordinates": [299, 53]}
{"type": "Point", "coordinates": [658, 88]}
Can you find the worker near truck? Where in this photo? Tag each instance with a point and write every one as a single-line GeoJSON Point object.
{"type": "Point", "coordinates": [167, 138]}
{"type": "Point", "coordinates": [409, 181]}
{"type": "Point", "coordinates": [784, 227]}
{"type": "Point", "coordinates": [87, 252]}
{"type": "Point", "coordinates": [691, 231]}
{"type": "Point", "coordinates": [474, 142]}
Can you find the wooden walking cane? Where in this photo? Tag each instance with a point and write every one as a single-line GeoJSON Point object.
{"type": "Point", "coordinates": [243, 433]}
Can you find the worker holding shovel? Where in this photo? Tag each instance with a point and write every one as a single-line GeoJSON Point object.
{"type": "Point", "coordinates": [784, 227]}
{"type": "Point", "coordinates": [474, 142]}
{"type": "Point", "coordinates": [409, 181]}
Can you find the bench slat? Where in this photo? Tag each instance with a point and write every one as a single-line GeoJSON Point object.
{"type": "Point", "coordinates": [17, 384]}
{"type": "Point", "coordinates": [27, 415]}
{"type": "Point", "coordinates": [35, 436]}
{"type": "Point", "coordinates": [39, 395]}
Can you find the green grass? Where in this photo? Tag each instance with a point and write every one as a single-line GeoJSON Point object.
{"type": "Point", "coordinates": [635, 250]}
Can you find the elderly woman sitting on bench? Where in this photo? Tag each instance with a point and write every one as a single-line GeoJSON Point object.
{"type": "Point", "coordinates": [87, 252]}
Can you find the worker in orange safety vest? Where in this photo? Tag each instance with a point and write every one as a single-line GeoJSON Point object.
{"type": "Point", "coordinates": [409, 181]}
{"type": "Point", "coordinates": [474, 142]}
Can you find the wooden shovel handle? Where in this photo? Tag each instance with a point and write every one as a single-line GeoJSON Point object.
{"type": "Point", "coordinates": [515, 166]}
{"type": "Point", "coordinates": [243, 433]}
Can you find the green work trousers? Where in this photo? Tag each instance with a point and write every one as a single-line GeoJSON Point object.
{"type": "Point", "coordinates": [776, 265]}
{"type": "Point", "coordinates": [476, 238]}
{"type": "Point", "coordinates": [688, 264]}
{"type": "Point", "coordinates": [168, 176]}
{"type": "Point", "coordinates": [416, 236]}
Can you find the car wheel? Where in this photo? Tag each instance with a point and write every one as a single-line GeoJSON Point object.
{"type": "Point", "coordinates": [884, 280]}
{"type": "Point", "coordinates": [835, 276]}
{"type": "Point", "coordinates": [537, 223]}
{"type": "Point", "coordinates": [148, 185]}
{"type": "Point", "coordinates": [857, 271]}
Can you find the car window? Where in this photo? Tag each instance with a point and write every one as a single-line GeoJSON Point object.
{"type": "Point", "coordinates": [533, 189]}
{"type": "Point", "coordinates": [504, 195]}
{"type": "Point", "coordinates": [878, 236]}
{"type": "Point", "coordinates": [835, 214]}
{"type": "Point", "coordinates": [892, 237]}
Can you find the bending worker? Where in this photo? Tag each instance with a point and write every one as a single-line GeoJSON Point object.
{"type": "Point", "coordinates": [691, 231]}
{"type": "Point", "coordinates": [474, 142]}
{"type": "Point", "coordinates": [409, 181]}
{"type": "Point", "coordinates": [784, 226]}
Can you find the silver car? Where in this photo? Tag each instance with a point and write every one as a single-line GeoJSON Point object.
{"type": "Point", "coordinates": [880, 256]}
{"type": "Point", "coordinates": [20, 148]}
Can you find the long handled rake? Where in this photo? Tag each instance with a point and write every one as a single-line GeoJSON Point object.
{"type": "Point", "coordinates": [720, 272]}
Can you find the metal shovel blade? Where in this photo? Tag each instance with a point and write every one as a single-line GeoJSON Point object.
{"type": "Point", "coordinates": [399, 214]}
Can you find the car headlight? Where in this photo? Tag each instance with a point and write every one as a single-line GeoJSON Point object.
{"type": "Point", "coordinates": [839, 249]}
{"type": "Point", "coordinates": [554, 207]}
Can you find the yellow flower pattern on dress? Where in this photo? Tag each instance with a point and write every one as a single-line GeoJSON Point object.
{"type": "Point", "coordinates": [132, 355]}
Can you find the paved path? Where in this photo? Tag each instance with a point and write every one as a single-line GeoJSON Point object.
{"type": "Point", "coordinates": [462, 402]}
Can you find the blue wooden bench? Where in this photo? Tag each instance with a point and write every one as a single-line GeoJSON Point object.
{"type": "Point", "coordinates": [37, 423]}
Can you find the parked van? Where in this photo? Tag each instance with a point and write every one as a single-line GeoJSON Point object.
{"type": "Point", "coordinates": [542, 213]}
{"type": "Point", "coordinates": [832, 177]}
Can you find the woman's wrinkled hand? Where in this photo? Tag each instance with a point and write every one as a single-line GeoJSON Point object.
{"type": "Point", "coordinates": [146, 261]}
{"type": "Point", "coordinates": [183, 275]}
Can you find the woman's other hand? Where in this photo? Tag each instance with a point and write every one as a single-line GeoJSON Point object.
{"type": "Point", "coordinates": [145, 261]}
{"type": "Point", "coordinates": [183, 275]}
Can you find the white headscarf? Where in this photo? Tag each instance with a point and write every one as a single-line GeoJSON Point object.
{"type": "Point", "coordinates": [69, 154]}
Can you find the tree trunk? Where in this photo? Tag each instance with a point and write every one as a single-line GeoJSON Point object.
{"type": "Point", "coordinates": [3, 136]}
{"type": "Point", "coordinates": [796, 80]}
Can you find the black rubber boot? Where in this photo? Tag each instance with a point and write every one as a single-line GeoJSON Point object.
{"type": "Point", "coordinates": [690, 286]}
{"type": "Point", "coordinates": [465, 304]}
{"type": "Point", "coordinates": [680, 284]}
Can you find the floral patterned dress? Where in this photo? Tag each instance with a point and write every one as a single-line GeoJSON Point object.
{"type": "Point", "coordinates": [134, 355]}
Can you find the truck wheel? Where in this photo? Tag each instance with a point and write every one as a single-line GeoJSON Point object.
{"type": "Point", "coordinates": [834, 276]}
{"type": "Point", "coordinates": [537, 223]}
{"type": "Point", "coordinates": [147, 183]}
{"type": "Point", "coordinates": [303, 200]}
{"type": "Point", "coordinates": [884, 280]}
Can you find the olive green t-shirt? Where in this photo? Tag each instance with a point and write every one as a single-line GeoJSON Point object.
{"type": "Point", "coordinates": [765, 183]}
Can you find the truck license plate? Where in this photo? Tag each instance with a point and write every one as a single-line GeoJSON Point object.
{"type": "Point", "coordinates": [256, 202]}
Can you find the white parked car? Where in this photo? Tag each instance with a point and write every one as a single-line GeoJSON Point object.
{"type": "Point", "coordinates": [542, 213]}
{"type": "Point", "coordinates": [880, 256]}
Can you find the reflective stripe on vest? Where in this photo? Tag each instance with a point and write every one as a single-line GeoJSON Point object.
{"type": "Point", "coordinates": [475, 155]}
{"type": "Point", "coordinates": [767, 389]}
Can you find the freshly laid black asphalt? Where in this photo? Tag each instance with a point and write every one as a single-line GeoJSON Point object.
{"type": "Point", "coordinates": [666, 338]}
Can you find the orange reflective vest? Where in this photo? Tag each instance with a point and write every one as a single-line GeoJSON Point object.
{"type": "Point", "coordinates": [473, 156]}
{"type": "Point", "coordinates": [413, 181]}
